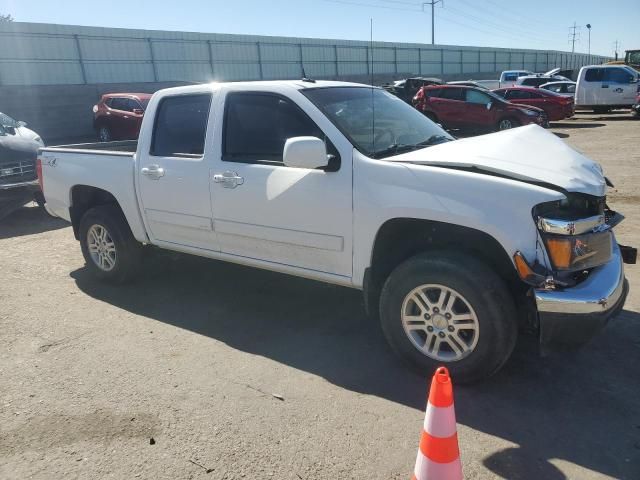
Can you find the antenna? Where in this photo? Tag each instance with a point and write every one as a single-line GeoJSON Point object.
{"type": "Point", "coordinates": [373, 106]}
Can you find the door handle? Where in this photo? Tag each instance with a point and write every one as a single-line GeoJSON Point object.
{"type": "Point", "coordinates": [228, 179]}
{"type": "Point", "coordinates": [154, 172]}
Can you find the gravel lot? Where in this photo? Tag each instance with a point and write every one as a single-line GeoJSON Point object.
{"type": "Point", "coordinates": [192, 355]}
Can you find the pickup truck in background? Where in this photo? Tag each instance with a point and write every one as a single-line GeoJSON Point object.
{"type": "Point", "coordinates": [456, 244]}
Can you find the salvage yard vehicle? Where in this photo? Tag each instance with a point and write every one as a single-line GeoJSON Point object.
{"type": "Point", "coordinates": [18, 151]}
{"type": "Point", "coordinates": [456, 244]}
{"type": "Point", "coordinates": [508, 78]}
{"type": "Point", "coordinates": [537, 80]}
{"type": "Point", "coordinates": [602, 88]}
{"type": "Point", "coordinates": [457, 106]}
{"type": "Point", "coordinates": [407, 88]}
{"type": "Point", "coordinates": [118, 116]}
{"type": "Point", "coordinates": [557, 107]}
{"type": "Point", "coordinates": [566, 88]}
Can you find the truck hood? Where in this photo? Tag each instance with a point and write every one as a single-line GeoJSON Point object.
{"type": "Point", "coordinates": [530, 154]}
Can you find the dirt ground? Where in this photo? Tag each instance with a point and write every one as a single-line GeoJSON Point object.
{"type": "Point", "coordinates": [207, 370]}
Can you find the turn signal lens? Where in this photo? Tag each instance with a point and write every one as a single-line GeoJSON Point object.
{"type": "Point", "coordinates": [524, 270]}
{"type": "Point", "coordinates": [559, 250]}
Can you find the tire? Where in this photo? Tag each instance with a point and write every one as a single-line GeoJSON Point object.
{"type": "Point", "coordinates": [104, 134]}
{"type": "Point", "coordinates": [484, 295]}
{"type": "Point", "coordinates": [125, 256]}
{"type": "Point", "coordinates": [507, 123]}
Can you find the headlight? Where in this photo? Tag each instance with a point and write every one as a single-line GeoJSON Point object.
{"type": "Point", "coordinates": [531, 113]}
{"type": "Point", "coordinates": [39, 140]}
{"type": "Point", "coordinates": [578, 252]}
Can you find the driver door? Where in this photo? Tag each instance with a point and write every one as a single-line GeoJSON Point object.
{"type": "Point", "coordinates": [477, 111]}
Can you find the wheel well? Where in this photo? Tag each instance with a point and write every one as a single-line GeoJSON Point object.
{"type": "Point", "coordinates": [402, 238]}
{"type": "Point", "coordinates": [84, 197]}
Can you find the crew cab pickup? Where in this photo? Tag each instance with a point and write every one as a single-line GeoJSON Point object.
{"type": "Point", "coordinates": [457, 244]}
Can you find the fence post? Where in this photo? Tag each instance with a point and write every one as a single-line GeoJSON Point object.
{"type": "Point", "coordinates": [479, 62]}
{"type": "Point", "coordinates": [509, 68]}
{"type": "Point", "coordinates": [495, 61]}
{"type": "Point", "coordinates": [420, 61]}
{"type": "Point", "coordinates": [301, 60]}
{"type": "Point", "coordinates": [335, 54]}
{"type": "Point", "coordinates": [461, 62]}
{"type": "Point", "coordinates": [260, 61]}
{"type": "Point", "coordinates": [442, 61]}
{"type": "Point", "coordinates": [395, 59]}
{"type": "Point", "coordinates": [210, 59]}
{"type": "Point", "coordinates": [80, 60]}
{"type": "Point", "coordinates": [153, 62]}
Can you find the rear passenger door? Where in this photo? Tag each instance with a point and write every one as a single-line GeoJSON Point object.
{"type": "Point", "coordinates": [268, 212]}
{"type": "Point", "coordinates": [173, 175]}
{"type": "Point", "coordinates": [449, 106]}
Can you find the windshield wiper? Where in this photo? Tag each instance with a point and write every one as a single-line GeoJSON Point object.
{"type": "Point", "coordinates": [396, 148]}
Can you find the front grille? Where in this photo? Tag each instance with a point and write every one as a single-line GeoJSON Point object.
{"type": "Point", "coordinates": [16, 172]}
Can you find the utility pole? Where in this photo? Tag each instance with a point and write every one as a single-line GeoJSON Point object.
{"type": "Point", "coordinates": [572, 36]}
{"type": "Point", "coordinates": [433, 22]}
{"type": "Point", "coordinates": [589, 28]}
{"type": "Point", "coordinates": [616, 45]}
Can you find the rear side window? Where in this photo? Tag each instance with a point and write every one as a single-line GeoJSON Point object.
{"type": "Point", "coordinates": [594, 75]}
{"type": "Point", "coordinates": [119, 103]}
{"type": "Point", "coordinates": [518, 95]}
{"type": "Point", "coordinates": [180, 126]}
{"type": "Point", "coordinates": [453, 94]}
{"type": "Point", "coordinates": [257, 125]}
{"type": "Point", "coordinates": [433, 92]}
{"type": "Point", "coordinates": [617, 75]}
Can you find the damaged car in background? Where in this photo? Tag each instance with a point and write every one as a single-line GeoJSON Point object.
{"type": "Point", "coordinates": [18, 151]}
{"type": "Point", "coordinates": [456, 244]}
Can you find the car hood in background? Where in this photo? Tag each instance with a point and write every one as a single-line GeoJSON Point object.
{"type": "Point", "coordinates": [19, 147]}
{"type": "Point", "coordinates": [529, 154]}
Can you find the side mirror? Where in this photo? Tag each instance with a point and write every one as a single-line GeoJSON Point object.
{"type": "Point", "coordinates": [305, 152]}
{"type": "Point", "coordinates": [22, 124]}
{"type": "Point", "coordinates": [138, 111]}
{"type": "Point", "coordinates": [489, 105]}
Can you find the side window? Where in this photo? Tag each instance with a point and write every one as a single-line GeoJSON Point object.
{"type": "Point", "coordinates": [536, 95]}
{"type": "Point", "coordinates": [500, 93]}
{"type": "Point", "coordinates": [257, 125]}
{"type": "Point", "coordinates": [433, 92]}
{"type": "Point", "coordinates": [594, 75]}
{"type": "Point", "coordinates": [109, 102]}
{"type": "Point", "coordinates": [118, 103]}
{"type": "Point", "coordinates": [473, 96]}
{"type": "Point", "coordinates": [571, 88]}
{"type": "Point", "coordinates": [453, 94]}
{"type": "Point", "coordinates": [518, 95]}
{"type": "Point", "coordinates": [617, 75]}
{"type": "Point", "coordinates": [133, 105]}
{"type": "Point", "coordinates": [180, 126]}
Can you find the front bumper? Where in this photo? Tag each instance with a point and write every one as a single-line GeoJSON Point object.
{"type": "Point", "coordinates": [574, 315]}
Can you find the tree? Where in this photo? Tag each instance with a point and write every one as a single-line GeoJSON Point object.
{"type": "Point", "coordinates": [6, 18]}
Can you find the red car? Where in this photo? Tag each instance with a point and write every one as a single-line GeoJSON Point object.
{"type": "Point", "coordinates": [456, 106]}
{"type": "Point", "coordinates": [557, 107]}
{"type": "Point", "coordinates": [118, 116]}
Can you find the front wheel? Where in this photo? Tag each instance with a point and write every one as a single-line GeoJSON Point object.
{"type": "Point", "coordinates": [110, 251]}
{"type": "Point", "coordinates": [507, 123]}
{"type": "Point", "coordinates": [443, 309]}
{"type": "Point", "coordinates": [104, 134]}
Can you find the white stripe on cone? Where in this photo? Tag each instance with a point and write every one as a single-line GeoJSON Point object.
{"type": "Point", "coordinates": [440, 421]}
{"type": "Point", "coordinates": [429, 470]}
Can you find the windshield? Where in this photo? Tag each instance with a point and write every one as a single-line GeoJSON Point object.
{"type": "Point", "coordinates": [7, 121]}
{"type": "Point", "coordinates": [377, 123]}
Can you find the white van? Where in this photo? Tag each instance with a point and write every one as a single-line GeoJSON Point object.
{"type": "Point", "coordinates": [603, 87]}
{"type": "Point", "coordinates": [508, 77]}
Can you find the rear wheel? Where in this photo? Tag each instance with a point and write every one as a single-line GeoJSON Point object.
{"type": "Point", "coordinates": [110, 251]}
{"type": "Point", "coordinates": [507, 123]}
{"type": "Point", "coordinates": [104, 134]}
{"type": "Point", "coordinates": [445, 309]}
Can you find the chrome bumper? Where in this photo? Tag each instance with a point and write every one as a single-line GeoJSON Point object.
{"type": "Point", "coordinates": [574, 315]}
{"type": "Point", "coordinates": [598, 293]}
{"type": "Point", "coordinates": [9, 186]}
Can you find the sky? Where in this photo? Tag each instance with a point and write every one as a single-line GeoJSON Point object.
{"type": "Point", "coordinates": [538, 24]}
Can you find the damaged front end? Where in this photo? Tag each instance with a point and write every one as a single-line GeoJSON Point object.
{"type": "Point", "coordinates": [581, 283]}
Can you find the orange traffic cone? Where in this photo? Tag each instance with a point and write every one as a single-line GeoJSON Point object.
{"type": "Point", "coordinates": [438, 455]}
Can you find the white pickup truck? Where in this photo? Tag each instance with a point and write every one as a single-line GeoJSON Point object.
{"type": "Point", "coordinates": [457, 244]}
